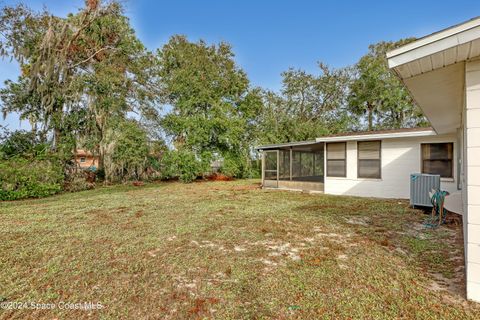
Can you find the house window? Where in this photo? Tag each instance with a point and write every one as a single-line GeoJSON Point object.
{"type": "Point", "coordinates": [82, 159]}
{"type": "Point", "coordinates": [437, 158]}
{"type": "Point", "coordinates": [337, 159]}
{"type": "Point", "coordinates": [369, 159]}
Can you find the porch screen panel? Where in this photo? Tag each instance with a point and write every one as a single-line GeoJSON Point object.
{"type": "Point", "coordinates": [369, 159]}
{"type": "Point", "coordinates": [284, 165]}
{"type": "Point", "coordinates": [437, 158]}
{"type": "Point", "coordinates": [319, 163]}
{"type": "Point", "coordinates": [271, 165]}
{"type": "Point", "coordinates": [296, 165]}
{"type": "Point", "coordinates": [307, 166]}
{"type": "Point", "coordinates": [337, 159]}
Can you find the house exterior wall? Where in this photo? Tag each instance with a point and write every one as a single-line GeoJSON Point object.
{"type": "Point", "coordinates": [471, 191]}
{"type": "Point", "coordinates": [90, 161]}
{"type": "Point", "coordinates": [400, 157]}
{"type": "Point", "coordinates": [301, 185]}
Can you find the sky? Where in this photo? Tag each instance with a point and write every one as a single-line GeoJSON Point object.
{"type": "Point", "coordinates": [270, 36]}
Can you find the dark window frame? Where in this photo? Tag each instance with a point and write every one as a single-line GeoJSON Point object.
{"type": "Point", "coordinates": [379, 160]}
{"type": "Point", "coordinates": [83, 159]}
{"type": "Point", "coordinates": [327, 174]}
{"type": "Point", "coordinates": [451, 176]}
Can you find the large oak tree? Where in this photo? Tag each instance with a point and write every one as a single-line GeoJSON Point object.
{"type": "Point", "coordinates": [82, 75]}
{"type": "Point", "coordinates": [378, 94]}
{"type": "Point", "coordinates": [213, 108]}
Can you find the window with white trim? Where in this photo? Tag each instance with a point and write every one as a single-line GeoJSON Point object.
{"type": "Point", "coordinates": [369, 159]}
{"type": "Point", "coordinates": [337, 159]}
{"type": "Point", "coordinates": [437, 158]}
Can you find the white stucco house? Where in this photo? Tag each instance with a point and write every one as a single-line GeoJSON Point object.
{"type": "Point", "coordinates": [370, 164]}
{"type": "Point", "coordinates": [442, 73]}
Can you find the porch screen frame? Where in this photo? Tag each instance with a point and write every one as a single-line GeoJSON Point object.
{"type": "Point", "coordinates": [265, 170]}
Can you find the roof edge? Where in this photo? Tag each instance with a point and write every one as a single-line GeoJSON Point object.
{"type": "Point", "coordinates": [361, 135]}
{"type": "Point", "coordinates": [436, 36]}
{"type": "Point", "coordinates": [380, 135]}
{"type": "Point", "coordinates": [286, 144]}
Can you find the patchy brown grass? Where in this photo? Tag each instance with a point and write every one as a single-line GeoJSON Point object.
{"type": "Point", "coordinates": [228, 250]}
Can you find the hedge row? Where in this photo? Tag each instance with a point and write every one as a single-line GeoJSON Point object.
{"type": "Point", "coordinates": [21, 178]}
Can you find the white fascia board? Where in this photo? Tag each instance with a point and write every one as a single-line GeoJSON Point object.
{"type": "Point", "coordinates": [287, 144]}
{"type": "Point", "coordinates": [378, 136]}
{"type": "Point", "coordinates": [435, 43]}
{"type": "Point", "coordinates": [475, 22]}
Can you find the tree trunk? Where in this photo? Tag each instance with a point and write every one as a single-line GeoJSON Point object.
{"type": "Point", "coordinates": [100, 123]}
{"type": "Point", "coordinates": [370, 116]}
{"type": "Point", "coordinates": [57, 133]}
{"type": "Point", "coordinates": [101, 155]}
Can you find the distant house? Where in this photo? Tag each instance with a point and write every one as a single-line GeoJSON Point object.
{"type": "Point", "coordinates": [86, 160]}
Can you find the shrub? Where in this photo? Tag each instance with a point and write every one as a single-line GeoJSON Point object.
{"type": "Point", "coordinates": [181, 164]}
{"type": "Point", "coordinates": [154, 167]}
{"type": "Point", "coordinates": [239, 165]}
{"type": "Point", "coordinates": [189, 167]}
{"type": "Point", "coordinates": [256, 169]}
{"type": "Point", "coordinates": [79, 181]}
{"type": "Point", "coordinates": [130, 152]}
{"type": "Point", "coordinates": [21, 178]}
{"type": "Point", "coordinates": [231, 167]}
{"type": "Point", "coordinates": [167, 165]}
{"type": "Point", "coordinates": [21, 143]}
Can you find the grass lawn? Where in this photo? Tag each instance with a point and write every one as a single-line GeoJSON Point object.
{"type": "Point", "coordinates": [228, 250]}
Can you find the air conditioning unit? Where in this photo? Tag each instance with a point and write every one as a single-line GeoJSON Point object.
{"type": "Point", "coordinates": [420, 186]}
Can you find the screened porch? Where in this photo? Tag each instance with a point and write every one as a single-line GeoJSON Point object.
{"type": "Point", "coordinates": [296, 166]}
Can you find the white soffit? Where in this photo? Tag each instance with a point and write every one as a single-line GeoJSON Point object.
{"type": "Point", "coordinates": [440, 95]}
{"type": "Point", "coordinates": [433, 70]}
{"type": "Point", "coordinates": [453, 45]}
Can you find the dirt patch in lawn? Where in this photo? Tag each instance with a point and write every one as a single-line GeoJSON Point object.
{"type": "Point", "coordinates": [219, 177]}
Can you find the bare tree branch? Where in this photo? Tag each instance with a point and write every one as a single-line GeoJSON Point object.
{"type": "Point", "coordinates": [91, 57]}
